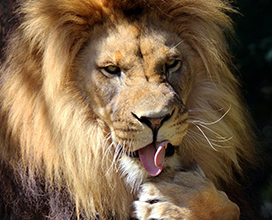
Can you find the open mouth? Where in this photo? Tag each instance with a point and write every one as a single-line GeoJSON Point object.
{"type": "Point", "coordinates": [153, 156]}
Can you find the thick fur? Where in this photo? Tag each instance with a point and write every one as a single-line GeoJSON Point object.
{"type": "Point", "coordinates": [60, 147]}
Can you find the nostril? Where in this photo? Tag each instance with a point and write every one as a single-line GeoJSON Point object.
{"type": "Point", "coordinates": [147, 121]}
{"type": "Point", "coordinates": [167, 117]}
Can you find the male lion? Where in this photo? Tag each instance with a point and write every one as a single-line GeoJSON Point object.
{"type": "Point", "coordinates": [116, 109]}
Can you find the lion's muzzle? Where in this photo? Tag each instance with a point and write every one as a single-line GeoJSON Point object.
{"type": "Point", "coordinates": [154, 123]}
{"type": "Point", "coordinates": [152, 156]}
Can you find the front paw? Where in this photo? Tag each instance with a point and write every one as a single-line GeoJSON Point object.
{"type": "Point", "coordinates": [158, 209]}
{"type": "Point", "coordinates": [188, 196]}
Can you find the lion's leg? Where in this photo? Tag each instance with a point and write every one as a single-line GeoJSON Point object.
{"type": "Point", "coordinates": [189, 196]}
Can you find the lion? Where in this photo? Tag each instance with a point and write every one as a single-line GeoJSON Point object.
{"type": "Point", "coordinates": [115, 109]}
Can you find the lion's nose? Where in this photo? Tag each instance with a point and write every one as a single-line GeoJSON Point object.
{"type": "Point", "coordinates": [154, 123]}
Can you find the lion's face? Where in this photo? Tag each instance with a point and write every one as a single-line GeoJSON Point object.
{"type": "Point", "coordinates": [113, 92]}
{"type": "Point", "coordinates": [137, 80]}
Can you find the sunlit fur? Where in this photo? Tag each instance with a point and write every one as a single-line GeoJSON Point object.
{"type": "Point", "coordinates": [48, 128]}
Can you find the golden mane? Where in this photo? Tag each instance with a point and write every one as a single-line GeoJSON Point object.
{"type": "Point", "coordinates": [48, 128]}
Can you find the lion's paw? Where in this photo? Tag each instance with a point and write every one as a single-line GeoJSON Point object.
{"type": "Point", "coordinates": [159, 210]}
{"type": "Point", "coordinates": [189, 196]}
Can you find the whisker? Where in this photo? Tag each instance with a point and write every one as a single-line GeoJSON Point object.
{"type": "Point", "coordinates": [105, 147]}
{"type": "Point", "coordinates": [207, 139]}
{"type": "Point", "coordinates": [173, 47]}
{"type": "Point", "coordinates": [112, 164]}
{"type": "Point", "coordinates": [204, 110]}
{"type": "Point", "coordinates": [223, 139]}
{"type": "Point", "coordinates": [117, 155]}
{"type": "Point", "coordinates": [191, 138]}
{"type": "Point", "coordinates": [106, 150]}
{"type": "Point", "coordinates": [129, 146]}
{"type": "Point", "coordinates": [213, 141]}
{"type": "Point", "coordinates": [210, 123]}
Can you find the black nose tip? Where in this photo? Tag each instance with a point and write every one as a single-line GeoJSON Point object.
{"type": "Point", "coordinates": [153, 123]}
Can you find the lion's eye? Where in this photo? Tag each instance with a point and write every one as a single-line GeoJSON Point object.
{"type": "Point", "coordinates": [111, 70]}
{"type": "Point", "coordinates": [173, 65]}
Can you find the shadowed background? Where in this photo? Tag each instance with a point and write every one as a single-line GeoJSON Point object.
{"type": "Point", "coordinates": [253, 58]}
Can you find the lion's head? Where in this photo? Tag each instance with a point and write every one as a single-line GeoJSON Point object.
{"type": "Point", "coordinates": [99, 96]}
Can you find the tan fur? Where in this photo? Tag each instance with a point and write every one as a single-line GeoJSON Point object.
{"type": "Point", "coordinates": [199, 200]}
{"type": "Point", "coordinates": [62, 118]}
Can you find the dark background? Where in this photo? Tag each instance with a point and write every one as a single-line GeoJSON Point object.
{"type": "Point", "coordinates": [253, 57]}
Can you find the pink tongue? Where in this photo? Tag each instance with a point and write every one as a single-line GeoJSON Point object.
{"type": "Point", "coordinates": [152, 157]}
